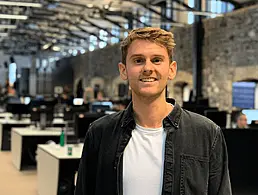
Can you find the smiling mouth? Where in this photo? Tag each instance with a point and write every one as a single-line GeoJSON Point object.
{"type": "Point", "coordinates": [148, 79]}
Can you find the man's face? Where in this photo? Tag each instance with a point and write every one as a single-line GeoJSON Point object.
{"type": "Point", "coordinates": [242, 121]}
{"type": "Point", "coordinates": [147, 68]}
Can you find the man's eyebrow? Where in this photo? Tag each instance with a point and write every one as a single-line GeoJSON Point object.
{"type": "Point", "coordinates": [140, 55]}
{"type": "Point", "coordinates": [161, 56]}
{"type": "Point", "coordinates": [136, 55]}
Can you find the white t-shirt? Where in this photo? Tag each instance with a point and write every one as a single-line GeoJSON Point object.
{"type": "Point", "coordinates": [143, 162]}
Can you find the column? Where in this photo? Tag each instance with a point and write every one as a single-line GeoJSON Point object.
{"type": "Point", "coordinates": [197, 37]}
{"type": "Point", "coordinates": [33, 77]}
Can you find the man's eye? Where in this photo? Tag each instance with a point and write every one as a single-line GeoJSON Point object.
{"type": "Point", "coordinates": [157, 60]}
{"type": "Point", "coordinates": [138, 61]}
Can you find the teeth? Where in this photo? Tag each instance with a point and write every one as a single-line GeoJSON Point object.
{"type": "Point", "coordinates": [148, 80]}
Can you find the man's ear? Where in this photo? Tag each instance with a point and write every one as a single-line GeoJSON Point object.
{"type": "Point", "coordinates": [122, 70]}
{"type": "Point", "coordinates": [172, 70]}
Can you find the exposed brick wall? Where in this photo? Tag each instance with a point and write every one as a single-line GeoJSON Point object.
{"type": "Point", "coordinates": [230, 49]}
{"type": "Point", "coordinates": [229, 52]}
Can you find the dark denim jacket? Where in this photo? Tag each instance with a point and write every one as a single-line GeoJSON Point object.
{"type": "Point", "coordinates": [196, 161]}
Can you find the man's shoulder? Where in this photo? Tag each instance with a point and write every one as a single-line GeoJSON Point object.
{"type": "Point", "coordinates": [199, 122]}
{"type": "Point", "coordinates": [106, 121]}
{"type": "Point", "coordinates": [199, 128]}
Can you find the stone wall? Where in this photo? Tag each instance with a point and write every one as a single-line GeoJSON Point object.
{"type": "Point", "coordinates": [229, 53]}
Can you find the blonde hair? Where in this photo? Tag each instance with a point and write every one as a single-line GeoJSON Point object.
{"type": "Point", "coordinates": [155, 35]}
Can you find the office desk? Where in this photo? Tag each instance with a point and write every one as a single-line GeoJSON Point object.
{"type": "Point", "coordinates": [58, 122]}
{"type": "Point", "coordinates": [5, 131]}
{"type": "Point", "coordinates": [7, 124]}
{"type": "Point", "coordinates": [24, 143]}
{"type": "Point", "coordinates": [56, 170]}
{"type": "Point", "coordinates": [5, 115]}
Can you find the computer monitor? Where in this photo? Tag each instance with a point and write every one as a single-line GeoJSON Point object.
{"type": "Point", "coordinates": [27, 100]}
{"type": "Point", "coordinates": [251, 115]}
{"type": "Point", "coordinates": [193, 107]}
{"type": "Point", "coordinates": [69, 112]}
{"type": "Point", "coordinates": [17, 109]}
{"type": "Point", "coordinates": [101, 106]}
{"type": "Point", "coordinates": [13, 100]}
{"type": "Point", "coordinates": [218, 117]}
{"type": "Point", "coordinates": [78, 101]}
{"type": "Point", "coordinates": [82, 122]}
{"type": "Point", "coordinates": [37, 113]}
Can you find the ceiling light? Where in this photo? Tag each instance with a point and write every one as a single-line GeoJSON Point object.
{"type": "Point", "coordinates": [8, 26]}
{"type": "Point", "coordinates": [112, 9]}
{"type": "Point", "coordinates": [18, 17]}
{"type": "Point", "coordinates": [75, 52]}
{"type": "Point", "coordinates": [46, 46]}
{"type": "Point", "coordinates": [82, 51]}
{"type": "Point", "coordinates": [56, 48]}
{"type": "Point", "coordinates": [21, 4]}
{"type": "Point", "coordinates": [90, 5]}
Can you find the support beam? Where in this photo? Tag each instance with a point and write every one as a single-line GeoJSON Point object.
{"type": "Point", "coordinates": [83, 18]}
{"type": "Point", "coordinates": [154, 11]}
{"type": "Point", "coordinates": [163, 6]}
{"type": "Point", "coordinates": [235, 3]}
{"type": "Point", "coordinates": [197, 36]}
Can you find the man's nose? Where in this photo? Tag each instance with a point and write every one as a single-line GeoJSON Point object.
{"type": "Point", "coordinates": [148, 68]}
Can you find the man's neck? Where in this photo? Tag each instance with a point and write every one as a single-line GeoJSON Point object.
{"type": "Point", "coordinates": [150, 112]}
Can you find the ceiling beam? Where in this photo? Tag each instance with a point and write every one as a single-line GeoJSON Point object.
{"type": "Point", "coordinates": [147, 6]}
{"type": "Point", "coordinates": [82, 17]}
{"type": "Point", "coordinates": [101, 12]}
{"type": "Point", "coordinates": [236, 4]}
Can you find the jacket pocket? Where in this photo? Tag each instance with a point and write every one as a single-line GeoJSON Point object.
{"type": "Point", "coordinates": [194, 175]}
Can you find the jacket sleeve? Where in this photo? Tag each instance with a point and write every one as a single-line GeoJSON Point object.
{"type": "Point", "coordinates": [219, 180]}
{"type": "Point", "coordinates": [86, 177]}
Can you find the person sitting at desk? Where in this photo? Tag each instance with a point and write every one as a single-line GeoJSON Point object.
{"type": "Point", "coordinates": [242, 121]}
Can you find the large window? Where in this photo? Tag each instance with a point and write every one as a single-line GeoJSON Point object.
{"type": "Point", "coordinates": [243, 94]}
{"type": "Point", "coordinates": [126, 26]}
{"type": "Point", "coordinates": [12, 73]}
{"type": "Point", "coordinates": [218, 6]}
{"type": "Point", "coordinates": [93, 43]}
{"type": "Point", "coordinates": [190, 14]}
{"type": "Point", "coordinates": [103, 35]}
{"type": "Point", "coordinates": [115, 31]}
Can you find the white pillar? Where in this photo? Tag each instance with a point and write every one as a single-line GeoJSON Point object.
{"type": "Point", "coordinates": [33, 77]}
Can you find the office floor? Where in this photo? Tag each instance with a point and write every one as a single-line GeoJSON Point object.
{"type": "Point", "coordinates": [13, 182]}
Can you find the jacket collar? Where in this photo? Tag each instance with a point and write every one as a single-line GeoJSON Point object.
{"type": "Point", "coordinates": [172, 119]}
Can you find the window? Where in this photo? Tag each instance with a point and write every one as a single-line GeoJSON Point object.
{"type": "Point", "coordinates": [116, 32]}
{"type": "Point", "coordinates": [93, 42]}
{"type": "Point", "coordinates": [12, 73]}
{"type": "Point", "coordinates": [102, 44]}
{"type": "Point", "coordinates": [190, 14]}
{"type": "Point", "coordinates": [219, 6]}
{"type": "Point", "coordinates": [243, 94]}
{"type": "Point", "coordinates": [126, 26]}
{"type": "Point", "coordinates": [103, 35]}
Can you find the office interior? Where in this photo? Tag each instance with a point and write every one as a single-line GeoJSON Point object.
{"type": "Point", "coordinates": [58, 74]}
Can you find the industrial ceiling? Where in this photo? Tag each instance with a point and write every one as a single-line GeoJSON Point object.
{"type": "Point", "coordinates": [29, 26]}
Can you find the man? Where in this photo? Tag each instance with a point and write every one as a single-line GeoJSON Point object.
{"type": "Point", "coordinates": [152, 147]}
{"type": "Point", "coordinates": [242, 121]}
